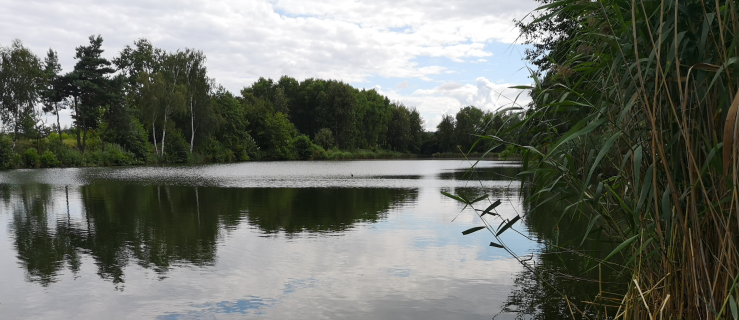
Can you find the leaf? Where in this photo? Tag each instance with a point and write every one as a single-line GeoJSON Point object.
{"type": "Point", "coordinates": [508, 109]}
{"type": "Point", "coordinates": [603, 151]}
{"type": "Point", "coordinates": [706, 66]}
{"type": "Point", "coordinates": [637, 168]}
{"type": "Point", "coordinates": [491, 207]}
{"type": "Point", "coordinates": [479, 199]}
{"type": "Point", "coordinates": [493, 244]}
{"type": "Point", "coordinates": [729, 133]}
{"type": "Point", "coordinates": [576, 131]}
{"type": "Point", "coordinates": [471, 230]}
{"type": "Point", "coordinates": [621, 246]}
{"type": "Point", "coordinates": [732, 305]}
{"type": "Point", "coordinates": [590, 226]}
{"type": "Point", "coordinates": [507, 225]}
{"type": "Point", "coordinates": [666, 212]}
{"type": "Point", "coordinates": [453, 197]}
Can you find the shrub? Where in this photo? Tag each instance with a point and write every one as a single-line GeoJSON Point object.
{"type": "Point", "coordinates": [49, 160]}
{"type": "Point", "coordinates": [510, 150]}
{"type": "Point", "coordinates": [251, 147]}
{"type": "Point", "coordinates": [92, 159]}
{"type": "Point", "coordinates": [114, 155]}
{"type": "Point", "coordinates": [30, 158]}
{"type": "Point", "coordinates": [216, 152]}
{"type": "Point", "coordinates": [176, 148]}
{"type": "Point", "coordinates": [324, 138]}
{"type": "Point", "coordinates": [17, 161]}
{"type": "Point", "coordinates": [303, 147]}
{"type": "Point", "coordinates": [68, 157]}
{"type": "Point", "coordinates": [318, 152]}
{"type": "Point", "coordinates": [6, 153]}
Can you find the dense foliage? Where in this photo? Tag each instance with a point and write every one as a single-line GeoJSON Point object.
{"type": "Point", "coordinates": [150, 105]}
{"type": "Point", "coordinates": [633, 135]}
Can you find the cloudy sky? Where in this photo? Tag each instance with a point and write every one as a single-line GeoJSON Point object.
{"type": "Point", "coordinates": [436, 55]}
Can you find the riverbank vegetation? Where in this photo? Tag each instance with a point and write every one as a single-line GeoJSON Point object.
{"type": "Point", "coordinates": [148, 105]}
{"type": "Point", "coordinates": [634, 135]}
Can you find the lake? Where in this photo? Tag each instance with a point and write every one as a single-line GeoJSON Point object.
{"type": "Point", "coordinates": [257, 240]}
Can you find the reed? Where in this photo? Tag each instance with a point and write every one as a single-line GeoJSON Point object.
{"type": "Point", "coordinates": [638, 132]}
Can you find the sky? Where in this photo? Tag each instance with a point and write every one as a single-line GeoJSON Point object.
{"type": "Point", "coordinates": [435, 55]}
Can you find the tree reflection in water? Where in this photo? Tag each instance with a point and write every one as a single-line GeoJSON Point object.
{"type": "Point", "coordinates": [161, 227]}
{"type": "Point", "coordinates": [561, 263]}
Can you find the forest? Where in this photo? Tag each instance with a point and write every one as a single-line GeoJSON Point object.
{"type": "Point", "coordinates": [148, 105]}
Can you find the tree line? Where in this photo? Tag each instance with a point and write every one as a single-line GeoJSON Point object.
{"type": "Point", "coordinates": [152, 105]}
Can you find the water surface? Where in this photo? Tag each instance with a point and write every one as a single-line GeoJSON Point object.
{"type": "Point", "coordinates": [261, 240]}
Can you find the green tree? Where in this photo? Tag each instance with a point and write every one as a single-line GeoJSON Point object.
{"type": "Point", "coordinates": [445, 133]}
{"type": "Point", "coordinates": [324, 138]}
{"type": "Point", "coordinates": [398, 131]}
{"type": "Point", "coordinates": [233, 125]}
{"type": "Point", "coordinates": [278, 134]}
{"type": "Point", "coordinates": [469, 123]}
{"type": "Point", "coordinates": [53, 91]}
{"type": "Point", "coordinates": [336, 110]}
{"type": "Point", "coordinates": [415, 128]}
{"type": "Point", "coordinates": [375, 114]}
{"type": "Point", "coordinates": [21, 81]}
{"type": "Point", "coordinates": [132, 61]}
{"type": "Point", "coordinates": [198, 87]}
{"type": "Point", "coordinates": [92, 78]}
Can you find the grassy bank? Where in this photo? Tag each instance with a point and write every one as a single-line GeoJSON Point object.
{"type": "Point", "coordinates": [52, 152]}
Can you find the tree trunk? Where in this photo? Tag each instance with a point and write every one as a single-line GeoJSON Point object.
{"type": "Point", "coordinates": [192, 125]}
{"type": "Point", "coordinates": [154, 135]}
{"type": "Point", "coordinates": [84, 140]}
{"type": "Point", "coordinates": [102, 142]}
{"type": "Point", "coordinates": [58, 126]}
{"type": "Point", "coordinates": [84, 134]}
{"type": "Point", "coordinates": [164, 132]}
{"type": "Point", "coordinates": [77, 124]}
{"type": "Point", "coordinates": [15, 125]}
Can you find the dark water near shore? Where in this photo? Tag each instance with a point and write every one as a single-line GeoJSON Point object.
{"type": "Point", "coordinates": [262, 240]}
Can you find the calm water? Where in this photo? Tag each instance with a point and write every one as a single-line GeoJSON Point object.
{"type": "Point", "coordinates": [262, 240]}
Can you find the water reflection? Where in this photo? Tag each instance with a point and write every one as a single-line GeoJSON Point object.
{"type": "Point", "coordinates": [158, 227]}
{"type": "Point", "coordinates": [309, 240]}
{"type": "Point", "coordinates": [558, 271]}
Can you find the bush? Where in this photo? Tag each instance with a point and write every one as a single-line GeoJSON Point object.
{"type": "Point", "coordinates": [303, 147]}
{"type": "Point", "coordinates": [510, 150]}
{"type": "Point", "coordinates": [324, 138]}
{"type": "Point", "coordinates": [6, 153]}
{"type": "Point", "coordinates": [17, 161]}
{"type": "Point", "coordinates": [134, 140]}
{"type": "Point", "coordinates": [176, 149]}
{"type": "Point", "coordinates": [251, 147]}
{"type": "Point", "coordinates": [92, 159]}
{"type": "Point", "coordinates": [31, 158]}
{"type": "Point", "coordinates": [216, 152]}
{"type": "Point", "coordinates": [49, 160]}
{"type": "Point", "coordinates": [114, 155]}
{"type": "Point", "coordinates": [67, 157]}
{"type": "Point", "coordinates": [318, 152]}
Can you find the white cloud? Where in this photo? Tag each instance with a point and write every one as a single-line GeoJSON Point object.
{"type": "Point", "coordinates": [247, 39]}
{"type": "Point", "coordinates": [353, 41]}
{"type": "Point", "coordinates": [449, 97]}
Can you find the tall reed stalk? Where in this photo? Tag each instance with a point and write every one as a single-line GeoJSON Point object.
{"type": "Point", "coordinates": [638, 132]}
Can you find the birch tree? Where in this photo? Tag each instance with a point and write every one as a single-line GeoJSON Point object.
{"type": "Point", "coordinates": [21, 79]}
